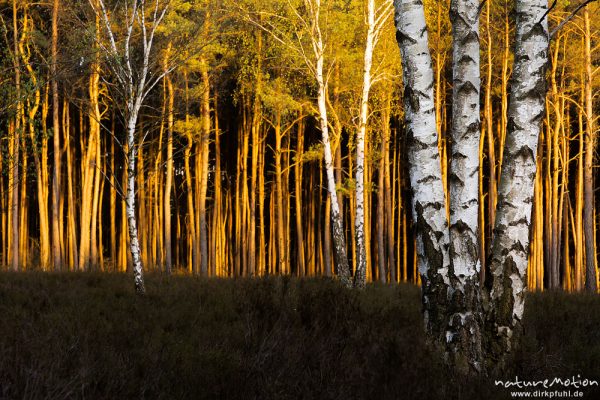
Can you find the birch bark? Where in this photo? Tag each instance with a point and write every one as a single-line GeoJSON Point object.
{"type": "Point", "coordinates": [135, 82]}
{"type": "Point", "coordinates": [428, 202]}
{"type": "Point", "coordinates": [508, 264]}
{"type": "Point", "coordinates": [359, 222]}
{"type": "Point", "coordinates": [376, 18]}
{"type": "Point", "coordinates": [339, 241]}
{"type": "Point", "coordinates": [463, 334]}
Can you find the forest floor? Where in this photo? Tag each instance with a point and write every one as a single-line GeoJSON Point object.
{"type": "Point", "coordinates": [82, 335]}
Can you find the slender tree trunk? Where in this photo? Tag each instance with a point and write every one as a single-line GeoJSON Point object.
{"type": "Point", "coordinates": [588, 179]}
{"type": "Point", "coordinates": [134, 246]}
{"type": "Point", "coordinates": [169, 177]}
{"type": "Point", "coordinates": [44, 187]}
{"type": "Point", "coordinates": [113, 196]}
{"type": "Point", "coordinates": [169, 170]}
{"type": "Point", "coordinates": [298, 197]}
{"type": "Point", "coordinates": [218, 230]}
{"type": "Point", "coordinates": [192, 250]}
{"type": "Point", "coordinates": [493, 182]}
{"type": "Point", "coordinates": [71, 207]}
{"type": "Point", "coordinates": [204, 171]}
{"type": "Point", "coordinates": [39, 146]}
{"type": "Point", "coordinates": [440, 94]}
{"type": "Point", "coordinates": [389, 203]}
{"type": "Point", "coordinates": [381, 225]}
{"type": "Point", "coordinates": [579, 240]}
{"type": "Point", "coordinates": [24, 244]}
{"type": "Point", "coordinates": [539, 222]}
{"type": "Point", "coordinates": [89, 162]}
{"type": "Point", "coordinates": [261, 205]}
{"type": "Point", "coordinates": [96, 196]}
{"type": "Point", "coordinates": [16, 143]}
{"type": "Point", "coordinates": [554, 154]}
{"type": "Point", "coordinates": [361, 265]}
{"type": "Point", "coordinates": [504, 91]}
{"type": "Point", "coordinates": [102, 161]}
{"type": "Point", "coordinates": [281, 245]}
{"type": "Point", "coordinates": [56, 249]}
{"type": "Point", "coordinates": [339, 241]}
{"type": "Point", "coordinates": [4, 246]}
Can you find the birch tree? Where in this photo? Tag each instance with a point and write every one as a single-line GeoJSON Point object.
{"type": "Point", "coordinates": [135, 82]}
{"type": "Point", "coordinates": [510, 244]}
{"type": "Point", "coordinates": [376, 18]}
{"type": "Point", "coordinates": [428, 202]}
{"type": "Point", "coordinates": [465, 322]}
{"type": "Point", "coordinates": [339, 241]}
{"type": "Point", "coordinates": [447, 257]}
{"type": "Point", "coordinates": [311, 51]}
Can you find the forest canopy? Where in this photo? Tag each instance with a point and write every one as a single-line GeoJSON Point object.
{"type": "Point", "coordinates": [230, 176]}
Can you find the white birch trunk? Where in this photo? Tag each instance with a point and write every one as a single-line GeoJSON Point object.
{"type": "Point", "coordinates": [339, 241]}
{"type": "Point", "coordinates": [465, 323]}
{"type": "Point", "coordinates": [135, 86]}
{"type": "Point", "coordinates": [359, 223]}
{"type": "Point", "coordinates": [134, 246]}
{"type": "Point", "coordinates": [515, 193]}
{"type": "Point", "coordinates": [429, 211]}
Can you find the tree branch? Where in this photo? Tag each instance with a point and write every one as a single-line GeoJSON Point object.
{"type": "Point", "coordinates": [559, 27]}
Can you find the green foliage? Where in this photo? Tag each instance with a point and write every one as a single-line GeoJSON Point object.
{"type": "Point", "coordinates": [193, 126]}
{"type": "Point", "coordinates": [314, 153]}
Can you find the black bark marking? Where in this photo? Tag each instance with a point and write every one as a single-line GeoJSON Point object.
{"type": "Point", "coordinates": [468, 88]}
{"type": "Point", "coordinates": [428, 179]}
{"type": "Point", "coordinates": [401, 37]}
{"type": "Point", "coordinates": [535, 31]}
{"type": "Point", "coordinates": [519, 222]}
{"type": "Point", "coordinates": [470, 37]}
{"type": "Point", "coordinates": [525, 153]}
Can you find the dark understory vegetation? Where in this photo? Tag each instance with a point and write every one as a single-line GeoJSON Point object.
{"type": "Point", "coordinates": [89, 336]}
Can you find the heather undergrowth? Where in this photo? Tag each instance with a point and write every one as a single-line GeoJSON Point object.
{"type": "Point", "coordinates": [88, 336]}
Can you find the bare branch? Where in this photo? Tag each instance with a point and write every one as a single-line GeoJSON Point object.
{"type": "Point", "coordinates": [570, 17]}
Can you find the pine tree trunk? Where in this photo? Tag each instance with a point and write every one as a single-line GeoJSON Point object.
{"type": "Point", "coordinates": [192, 251]}
{"type": "Point", "coordinates": [389, 204]}
{"type": "Point", "coordinates": [493, 185]}
{"type": "Point", "coordinates": [588, 185]}
{"type": "Point", "coordinates": [89, 163]}
{"type": "Point", "coordinates": [56, 222]}
{"type": "Point", "coordinates": [169, 178]}
{"type": "Point", "coordinates": [203, 231]}
{"type": "Point", "coordinates": [16, 139]}
{"type": "Point", "coordinates": [298, 197]}
{"type": "Point", "coordinates": [71, 207]}
{"type": "Point", "coordinates": [281, 245]}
